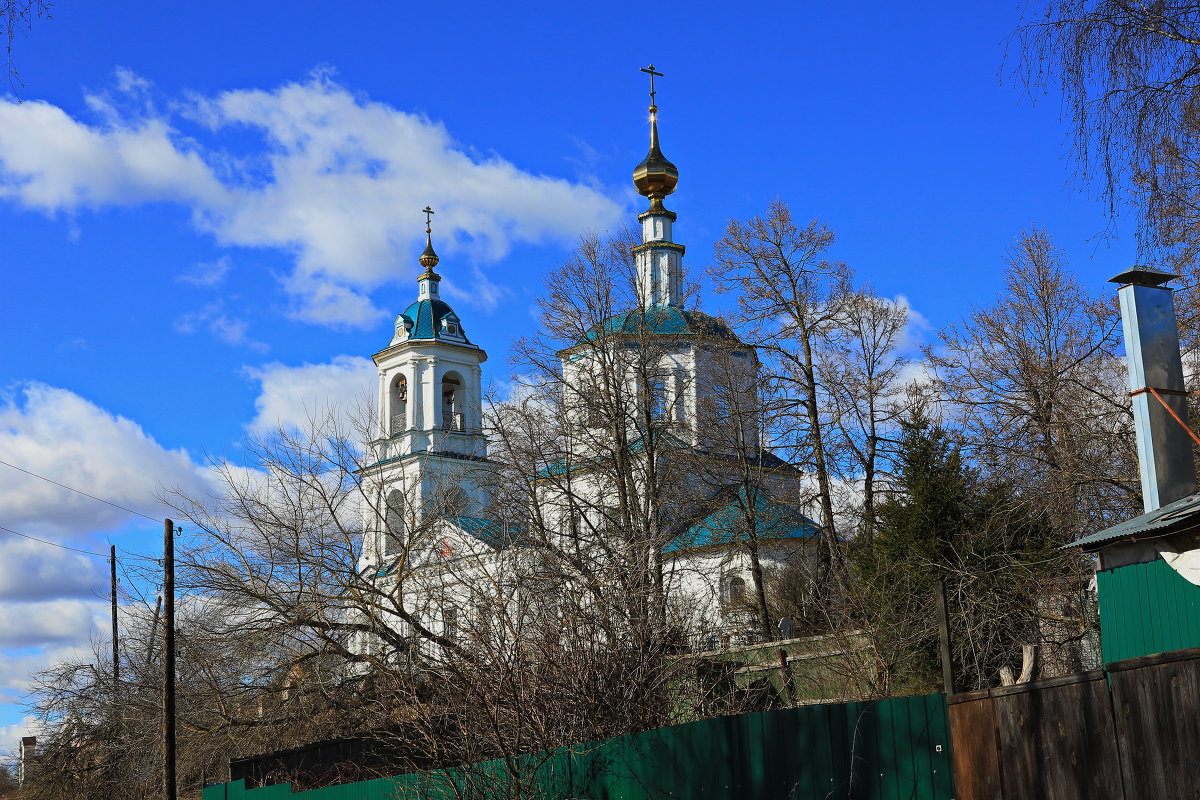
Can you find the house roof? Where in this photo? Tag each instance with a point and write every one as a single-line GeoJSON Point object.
{"type": "Point", "coordinates": [728, 524]}
{"type": "Point", "coordinates": [1181, 515]}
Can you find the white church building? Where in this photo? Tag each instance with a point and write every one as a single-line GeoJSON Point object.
{"type": "Point", "coordinates": [428, 510]}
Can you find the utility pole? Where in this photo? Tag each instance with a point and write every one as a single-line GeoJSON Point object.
{"type": "Point", "coordinates": [168, 660]}
{"type": "Point", "coordinates": [112, 560]}
{"type": "Point", "coordinates": [944, 637]}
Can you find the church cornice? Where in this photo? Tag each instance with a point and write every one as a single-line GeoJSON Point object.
{"type": "Point", "coordinates": [418, 344]}
{"type": "Point", "coordinates": [377, 467]}
{"type": "Point", "coordinates": [659, 246]}
{"type": "Point", "coordinates": [645, 215]}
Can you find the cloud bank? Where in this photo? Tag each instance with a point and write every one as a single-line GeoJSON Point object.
{"type": "Point", "coordinates": [289, 397]}
{"type": "Point", "coordinates": [330, 177]}
{"type": "Point", "coordinates": [56, 433]}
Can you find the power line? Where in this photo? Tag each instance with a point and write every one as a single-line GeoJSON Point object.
{"type": "Point", "coordinates": [78, 491]}
{"type": "Point", "coordinates": [54, 544]}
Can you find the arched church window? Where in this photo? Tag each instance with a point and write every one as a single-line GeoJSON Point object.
{"type": "Point", "coordinates": [733, 588]}
{"type": "Point", "coordinates": [393, 522]}
{"type": "Point", "coordinates": [452, 417]}
{"type": "Point", "coordinates": [399, 405]}
{"type": "Point", "coordinates": [453, 502]}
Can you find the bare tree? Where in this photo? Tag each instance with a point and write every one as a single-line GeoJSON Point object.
{"type": "Point", "coordinates": [1036, 385]}
{"type": "Point", "coordinates": [788, 296]}
{"type": "Point", "coordinates": [16, 19]}
{"type": "Point", "coordinates": [868, 391]}
{"type": "Point", "coordinates": [1129, 72]}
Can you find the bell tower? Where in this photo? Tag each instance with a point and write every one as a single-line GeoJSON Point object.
{"type": "Point", "coordinates": [430, 443]}
{"type": "Point", "coordinates": [658, 259]}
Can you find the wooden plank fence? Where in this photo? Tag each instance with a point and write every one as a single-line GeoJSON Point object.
{"type": "Point", "coordinates": [1129, 733]}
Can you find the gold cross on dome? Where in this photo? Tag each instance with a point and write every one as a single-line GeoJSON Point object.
{"type": "Point", "coordinates": [428, 212]}
{"type": "Point", "coordinates": [652, 73]}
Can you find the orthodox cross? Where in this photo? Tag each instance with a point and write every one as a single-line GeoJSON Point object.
{"type": "Point", "coordinates": [652, 73]}
{"type": "Point", "coordinates": [429, 212]}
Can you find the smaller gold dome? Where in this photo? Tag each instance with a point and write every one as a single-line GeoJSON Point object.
{"type": "Point", "coordinates": [655, 177]}
{"type": "Point", "coordinates": [429, 259]}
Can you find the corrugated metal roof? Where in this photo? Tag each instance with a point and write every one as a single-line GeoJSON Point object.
{"type": "Point", "coordinates": [1171, 518]}
{"type": "Point", "coordinates": [728, 524]}
{"type": "Point", "coordinates": [663, 320]}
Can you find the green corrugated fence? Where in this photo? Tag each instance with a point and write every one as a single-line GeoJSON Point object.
{"type": "Point", "coordinates": [897, 749]}
{"type": "Point", "coordinates": [1145, 609]}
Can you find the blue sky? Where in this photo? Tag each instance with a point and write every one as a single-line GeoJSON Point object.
{"type": "Point", "coordinates": [209, 213]}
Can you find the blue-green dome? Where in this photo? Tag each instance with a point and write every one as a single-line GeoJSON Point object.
{"type": "Point", "coordinates": [425, 319]}
{"type": "Point", "coordinates": [663, 320]}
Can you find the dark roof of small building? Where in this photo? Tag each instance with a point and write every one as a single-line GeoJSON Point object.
{"type": "Point", "coordinates": [1177, 517]}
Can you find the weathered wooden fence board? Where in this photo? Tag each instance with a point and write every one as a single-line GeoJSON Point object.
{"type": "Point", "coordinates": [976, 756]}
{"type": "Point", "coordinates": [1056, 739]}
{"type": "Point", "coordinates": [1157, 704]}
{"type": "Point", "coordinates": [1131, 733]}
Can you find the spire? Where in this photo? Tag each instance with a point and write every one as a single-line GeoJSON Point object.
{"type": "Point", "coordinates": [658, 259]}
{"type": "Point", "coordinates": [429, 259]}
{"type": "Point", "coordinates": [655, 177]}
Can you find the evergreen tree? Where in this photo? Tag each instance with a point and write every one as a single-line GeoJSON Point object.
{"type": "Point", "coordinates": [994, 551]}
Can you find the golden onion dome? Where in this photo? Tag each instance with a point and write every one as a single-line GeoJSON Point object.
{"type": "Point", "coordinates": [655, 177]}
{"type": "Point", "coordinates": [429, 259]}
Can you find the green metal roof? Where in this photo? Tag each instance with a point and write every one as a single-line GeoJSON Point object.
{"type": "Point", "coordinates": [1181, 515]}
{"type": "Point", "coordinates": [728, 524]}
{"type": "Point", "coordinates": [424, 318]}
{"type": "Point", "coordinates": [662, 321]}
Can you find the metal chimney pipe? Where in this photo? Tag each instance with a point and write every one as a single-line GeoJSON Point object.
{"type": "Point", "coordinates": [1168, 469]}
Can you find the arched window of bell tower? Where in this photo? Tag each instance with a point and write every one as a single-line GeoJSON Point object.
{"type": "Point", "coordinates": [452, 402]}
{"type": "Point", "coordinates": [398, 402]}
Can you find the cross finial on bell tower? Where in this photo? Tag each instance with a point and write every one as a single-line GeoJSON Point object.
{"type": "Point", "coordinates": [428, 280]}
{"type": "Point", "coordinates": [429, 259]}
{"type": "Point", "coordinates": [650, 71]}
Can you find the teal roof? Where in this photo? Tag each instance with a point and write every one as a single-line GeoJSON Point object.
{"type": "Point", "coordinates": [727, 524]}
{"type": "Point", "coordinates": [663, 320]}
{"type": "Point", "coordinates": [1176, 517]}
{"type": "Point", "coordinates": [424, 320]}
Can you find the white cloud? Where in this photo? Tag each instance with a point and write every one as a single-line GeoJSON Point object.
{"type": "Point", "coordinates": [917, 327]}
{"type": "Point", "coordinates": [291, 396]}
{"type": "Point", "coordinates": [31, 570]}
{"type": "Point", "coordinates": [58, 434]}
{"type": "Point", "coordinates": [55, 163]}
{"type": "Point", "coordinates": [10, 735]}
{"type": "Point", "coordinates": [209, 273]}
{"type": "Point", "coordinates": [336, 180]}
{"type": "Point", "coordinates": [61, 621]}
{"type": "Point", "coordinates": [226, 328]}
